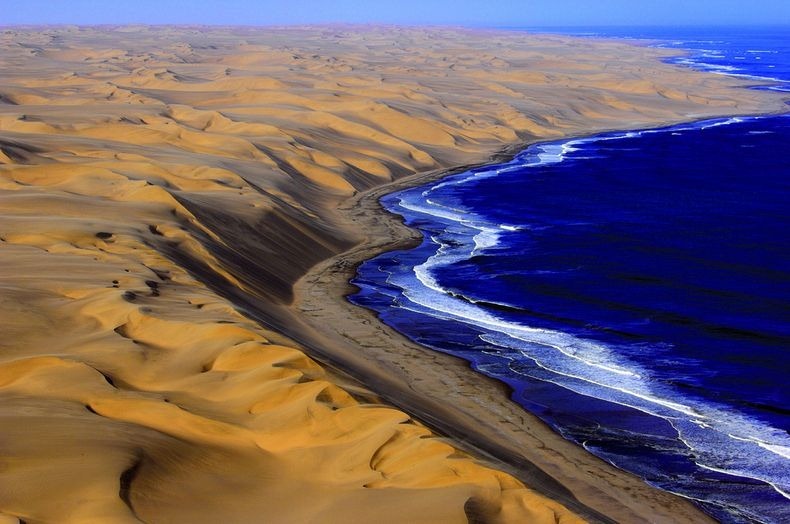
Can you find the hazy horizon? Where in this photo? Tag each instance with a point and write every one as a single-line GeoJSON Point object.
{"type": "Point", "coordinates": [502, 13]}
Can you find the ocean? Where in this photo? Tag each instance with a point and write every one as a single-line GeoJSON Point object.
{"type": "Point", "coordinates": [632, 288]}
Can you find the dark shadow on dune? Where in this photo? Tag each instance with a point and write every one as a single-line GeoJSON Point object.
{"type": "Point", "coordinates": [126, 480]}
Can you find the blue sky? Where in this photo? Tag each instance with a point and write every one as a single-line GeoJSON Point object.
{"type": "Point", "coordinates": [491, 13]}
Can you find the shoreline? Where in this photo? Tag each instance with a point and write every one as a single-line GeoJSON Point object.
{"type": "Point", "coordinates": [526, 447]}
{"type": "Point", "coordinates": [166, 194]}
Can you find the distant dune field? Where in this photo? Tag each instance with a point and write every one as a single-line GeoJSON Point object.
{"type": "Point", "coordinates": [161, 191]}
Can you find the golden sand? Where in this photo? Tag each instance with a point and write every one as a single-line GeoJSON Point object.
{"type": "Point", "coordinates": [160, 187]}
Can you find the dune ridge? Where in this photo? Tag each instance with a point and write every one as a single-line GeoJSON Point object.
{"type": "Point", "coordinates": [161, 191]}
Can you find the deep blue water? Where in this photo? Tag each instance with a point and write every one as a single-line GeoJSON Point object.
{"type": "Point", "coordinates": [751, 52]}
{"type": "Point", "coordinates": [632, 288]}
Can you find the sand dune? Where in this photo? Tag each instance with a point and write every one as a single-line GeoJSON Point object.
{"type": "Point", "coordinates": [161, 187]}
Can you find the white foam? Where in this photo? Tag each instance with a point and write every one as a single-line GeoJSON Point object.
{"type": "Point", "coordinates": [707, 66]}
{"type": "Point", "coordinates": [782, 451]}
{"type": "Point", "coordinates": [726, 122]}
{"type": "Point", "coordinates": [701, 424]}
{"type": "Point", "coordinates": [728, 70]}
{"type": "Point", "coordinates": [586, 352]}
{"type": "Point", "coordinates": [760, 78]}
{"type": "Point", "coordinates": [724, 471]}
{"type": "Point", "coordinates": [454, 216]}
{"type": "Point", "coordinates": [652, 399]}
{"type": "Point", "coordinates": [580, 365]}
{"type": "Point", "coordinates": [785, 494]}
{"type": "Point", "coordinates": [485, 239]}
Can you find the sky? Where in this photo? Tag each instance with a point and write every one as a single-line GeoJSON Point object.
{"type": "Point", "coordinates": [478, 13]}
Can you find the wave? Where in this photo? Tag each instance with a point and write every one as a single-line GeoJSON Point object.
{"type": "Point", "coordinates": [698, 62]}
{"type": "Point", "coordinates": [727, 122]}
{"type": "Point", "coordinates": [721, 439]}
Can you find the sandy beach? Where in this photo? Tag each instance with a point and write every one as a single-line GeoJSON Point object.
{"type": "Point", "coordinates": [180, 212]}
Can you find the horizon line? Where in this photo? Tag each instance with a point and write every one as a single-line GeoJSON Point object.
{"type": "Point", "coordinates": [394, 24]}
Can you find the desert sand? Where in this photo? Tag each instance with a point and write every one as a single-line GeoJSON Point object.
{"type": "Point", "coordinates": [162, 190]}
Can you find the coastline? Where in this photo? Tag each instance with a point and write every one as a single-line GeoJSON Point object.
{"type": "Point", "coordinates": [481, 416]}
{"type": "Point", "coordinates": [154, 233]}
{"type": "Point", "coordinates": [443, 391]}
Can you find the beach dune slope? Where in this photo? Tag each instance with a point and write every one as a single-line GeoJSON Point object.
{"type": "Point", "coordinates": [161, 187]}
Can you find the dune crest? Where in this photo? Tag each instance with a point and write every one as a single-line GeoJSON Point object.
{"type": "Point", "coordinates": [156, 184]}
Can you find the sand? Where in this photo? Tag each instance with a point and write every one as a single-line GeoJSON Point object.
{"type": "Point", "coordinates": [162, 190]}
